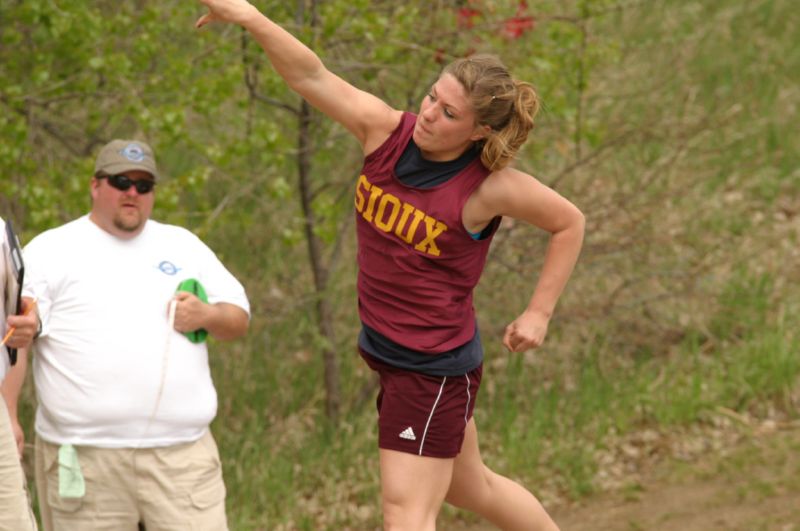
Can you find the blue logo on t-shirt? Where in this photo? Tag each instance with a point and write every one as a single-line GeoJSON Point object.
{"type": "Point", "coordinates": [168, 267]}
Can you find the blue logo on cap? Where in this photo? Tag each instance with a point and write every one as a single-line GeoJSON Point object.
{"type": "Point", "coordinates": [133, 152]}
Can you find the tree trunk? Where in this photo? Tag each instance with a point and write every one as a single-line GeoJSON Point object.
{"type": "Point", "coordinates": [324, 314]}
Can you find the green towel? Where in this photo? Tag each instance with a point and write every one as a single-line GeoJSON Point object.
{"type": "Point", "coordinates": [193, 286]}
{"type": "Point", "coordinates": [70, 479]}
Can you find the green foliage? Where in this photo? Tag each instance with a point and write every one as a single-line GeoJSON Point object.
{"type": "Point", "coordinates": [676, 140]}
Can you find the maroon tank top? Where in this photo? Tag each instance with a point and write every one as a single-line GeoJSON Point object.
{"type": "Point", "coordinates": [418, 265]}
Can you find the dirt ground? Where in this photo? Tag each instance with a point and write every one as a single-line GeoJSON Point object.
{"type": "Point", "coordinates": [751, 485]}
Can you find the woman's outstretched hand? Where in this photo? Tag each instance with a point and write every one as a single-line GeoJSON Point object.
{"type": "Point", "coordinates": [235, 11]}
{"type": "Point", "coordinates": [526, 332]}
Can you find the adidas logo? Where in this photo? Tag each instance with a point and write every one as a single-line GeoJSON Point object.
{"type": "Point", "coordinates": [408, 433]}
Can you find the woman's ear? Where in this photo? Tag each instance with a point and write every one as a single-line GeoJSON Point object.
{"type": "Point", "coordinates": [480, 132]}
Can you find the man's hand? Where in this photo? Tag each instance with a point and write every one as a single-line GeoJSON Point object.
{"type": "Point", "coordinates": [221, 320]}
{"type": "Point", "coordinates": [19, 436]}
{"type": "Point", "coordinates": [25, 326]}
{"type": "Point", "coordinates": [190, 312]}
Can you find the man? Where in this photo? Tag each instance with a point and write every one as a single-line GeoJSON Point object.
{"type": "Point", "coordinates": [17, 331]}
{"type": "Point", "coordinates": [124, 387]}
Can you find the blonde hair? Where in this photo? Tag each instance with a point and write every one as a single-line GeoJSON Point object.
{"type": "Point", "coordinates": [499, 101]}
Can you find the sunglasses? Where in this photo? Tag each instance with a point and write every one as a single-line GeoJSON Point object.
{"type": "Point", "coordinates": [123, 183]}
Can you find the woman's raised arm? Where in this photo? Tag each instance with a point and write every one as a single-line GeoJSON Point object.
{"type": "Point", "coordinates": [367, 117]}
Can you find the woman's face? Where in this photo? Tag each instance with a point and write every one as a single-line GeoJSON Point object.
{"type": "Point", "coordinates": [446, 123]}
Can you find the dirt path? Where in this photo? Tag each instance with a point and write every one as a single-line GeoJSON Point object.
{"type": "Point", "coordinates": [754, 485]}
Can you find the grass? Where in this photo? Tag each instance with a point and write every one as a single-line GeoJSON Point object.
{"type": "Point", "coordinates": [297, 472]}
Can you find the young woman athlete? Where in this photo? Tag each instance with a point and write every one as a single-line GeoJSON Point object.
{"type": "Point", "coordinates": [429, 198]}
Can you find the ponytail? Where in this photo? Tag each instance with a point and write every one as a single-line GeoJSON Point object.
{"type": "Point", "coordinates": [506, 105]}
{"type": "Point", "coordinates": [501, 145]}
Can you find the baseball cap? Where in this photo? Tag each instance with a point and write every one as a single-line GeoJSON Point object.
{"type": "Point", "coordinates": [124, 155]}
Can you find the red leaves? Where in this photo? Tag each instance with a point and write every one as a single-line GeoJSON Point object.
{"type": "Point", "coordinates": [513, 27]}
{"type": "Point", "coordinates": [516, 26]}
{"type": "Point", "coordinates": [465, 17]}
{"type": "Point", "coordinates": [469, 15]}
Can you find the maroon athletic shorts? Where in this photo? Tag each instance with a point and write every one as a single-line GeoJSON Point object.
{"type": "Point", "coordinates": [421, 414]}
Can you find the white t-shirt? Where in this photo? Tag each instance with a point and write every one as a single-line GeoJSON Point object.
{"type": "Point", "coordinates": [99, 362]}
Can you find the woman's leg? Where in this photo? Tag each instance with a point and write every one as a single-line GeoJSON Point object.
{"type": "Point", "coordinates": [503, 502]}
{"type": "Point", "coordinates": [413, 488]}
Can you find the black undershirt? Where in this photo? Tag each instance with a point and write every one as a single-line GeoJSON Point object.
{"type": "Point", "coordinates": [414, 170]}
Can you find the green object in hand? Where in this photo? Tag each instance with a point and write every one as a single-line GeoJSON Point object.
{"type": "Point", "coordinates": [193, 286]}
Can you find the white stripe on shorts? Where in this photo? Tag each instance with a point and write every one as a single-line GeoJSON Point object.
{"type": "Point", "coordinates": [430, 416]}
{"type": "Point", "coordinates": [469, 398]}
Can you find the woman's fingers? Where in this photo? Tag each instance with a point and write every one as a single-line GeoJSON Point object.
{"type": "Point", "coordinates": [205, 19]}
